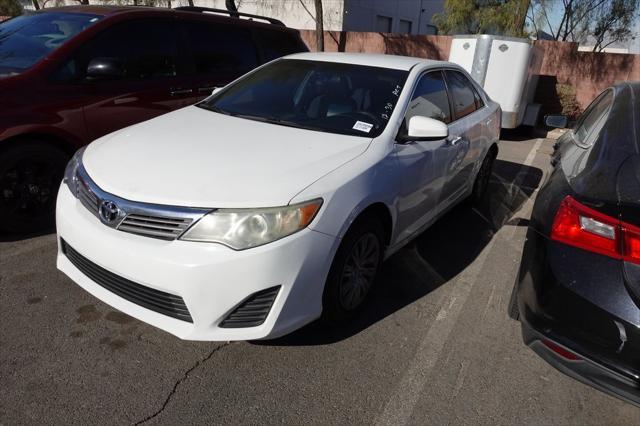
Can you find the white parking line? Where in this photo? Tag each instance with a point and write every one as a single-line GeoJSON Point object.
{"type": "Point", "coordinates": [400, 406]}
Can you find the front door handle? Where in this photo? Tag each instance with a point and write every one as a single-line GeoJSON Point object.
{"type": "Point", "coordinates": [178, 92]}
{"type": "Point", "coordinates": [455, 141]}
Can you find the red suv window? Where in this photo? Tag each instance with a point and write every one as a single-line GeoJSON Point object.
{"type": "Point", "coordinates": [221, 48]}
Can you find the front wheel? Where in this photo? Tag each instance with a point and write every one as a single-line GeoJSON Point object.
{"type": "Point", "coordinates": [30, 174]}
{"type": "Point", "coordinates": [354, 270]}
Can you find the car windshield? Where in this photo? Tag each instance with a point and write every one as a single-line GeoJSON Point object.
{"type": "Point", "coordinates": [28, 38]}
{"type": "Point", "coordinates": [325, 96]}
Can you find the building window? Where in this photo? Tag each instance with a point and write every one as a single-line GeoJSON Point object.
{"type": "Point", "coordinates": [383, 24]}
{"type": "Point", "coordinates": [405, 26]}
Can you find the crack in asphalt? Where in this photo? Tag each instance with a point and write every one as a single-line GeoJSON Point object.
{"type": "Point", "coordinates": [179, 382]}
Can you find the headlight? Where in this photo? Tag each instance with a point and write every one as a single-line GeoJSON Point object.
{"type": "Point", "coordinates": [71, 172]}
{"type": "Point", "coordinates": [246, 228]}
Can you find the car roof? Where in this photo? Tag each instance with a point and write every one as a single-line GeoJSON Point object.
{"type": "Point", "coordinates": [634, 88]}
{"type": "Point", "coordinates": [368, 59]}
{"type": "Point", "coordinates": [105, 11]}
{"type": "Point", "coordinates": [94, 9]}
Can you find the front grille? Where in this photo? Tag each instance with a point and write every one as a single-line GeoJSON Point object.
{"type": "Point", "coordinates": [168, 228]}
{"type": "Point", "coordinates": [87, 197]}
{"type": "Point", "coordinates": [145, 219]}
{"type": "Point", "coordinates": [155, 300]}
{"type": "Point", "coordinates": [253, 311]}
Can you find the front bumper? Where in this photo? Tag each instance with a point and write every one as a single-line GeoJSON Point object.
{"type": "Point", "coordinates": [211, 279]}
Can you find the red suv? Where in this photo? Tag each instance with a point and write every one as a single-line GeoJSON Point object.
{"type": "Point", "coordinates": [70, 75]}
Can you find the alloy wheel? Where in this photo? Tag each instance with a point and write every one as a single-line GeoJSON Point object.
{"type": "Point", "coordinates": [359, 271]}
{"type": "Point", "coordinates": [27, 189]}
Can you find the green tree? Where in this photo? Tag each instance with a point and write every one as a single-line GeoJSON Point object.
{"type": "Point", "coordinates": [614, 24]}
{"type": "Point", "coordinates": [504, 17]}
{"type": "Point", "coordinates": [602, 22]}
{"type": "Point", "coordinates": [10, 8]}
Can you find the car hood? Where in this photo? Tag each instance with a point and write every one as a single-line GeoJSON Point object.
{"type": "Point", "coordinates": [197, 158]}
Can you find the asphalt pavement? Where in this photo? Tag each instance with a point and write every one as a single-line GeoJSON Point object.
{"type": "Point", "coordinates": [433, 345]}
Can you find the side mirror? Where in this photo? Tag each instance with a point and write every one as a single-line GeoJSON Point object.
{"type": "Point", "coordinates": [559, 121]}
{"type": "Point", "coordinates": [105, 68]}
{"type": "Point", "coordinates": [216, 90]}
{"type": "Point", "coordinates": [424, 128]}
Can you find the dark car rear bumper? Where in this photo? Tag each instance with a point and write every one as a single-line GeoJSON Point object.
{"type": "Point", "coordinates": [584, 370]}
{"type": "Point", "coordinates": [578, 301]}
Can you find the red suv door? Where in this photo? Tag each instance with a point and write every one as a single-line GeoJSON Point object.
{"type": "Point", "coordinates": [150, 79]}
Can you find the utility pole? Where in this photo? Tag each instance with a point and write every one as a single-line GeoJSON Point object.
{"type": "Point", "coordinates": [319, 26]}
{"type": "Point", "coordinates": [231, 7]}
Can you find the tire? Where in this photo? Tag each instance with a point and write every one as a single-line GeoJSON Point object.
{"type": "Point", "coordinates": [483, 177]}
{"type": "Point", "coordinates": [347, 285]}
{"type": "Point", "coordinates": [30, 174]}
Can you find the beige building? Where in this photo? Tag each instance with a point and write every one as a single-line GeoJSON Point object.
{"type": "Point", "coordinates": [397, 16]}
{"type": "Point", "coordinates": [385, 16]}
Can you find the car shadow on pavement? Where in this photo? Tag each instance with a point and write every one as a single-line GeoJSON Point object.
{"type": "Point", "coordinates": [13, 237]}
{"type": "Point", "coordinates": [433, 258]}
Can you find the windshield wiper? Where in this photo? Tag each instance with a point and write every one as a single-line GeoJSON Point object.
{"type": "Point", "coordinates": [233, 114]}
{"type": "Point", "coordinates": [214, 109]}
{"type": "Point", "coordinates": [294, 124]}
{"type": "Point", "coordinates": [278, 121]}
{"type": "Point", "coordinates": [270, 120]}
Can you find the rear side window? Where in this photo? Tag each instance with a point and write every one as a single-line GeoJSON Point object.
{"type": "Point", "coordinates": [221, 48]}
{"type": "Point", "coordinates": [580, 156]}
{"type": "Point", "coordinates": [479, 101]}
{"type": "Point", "coordinates": [430, 98]}
{"type": "Point", "coordinates": [463, 95]}
{"type": "Point", "coordinates": [591, 122]}
{"type": "Point", "coordinates": [148, 49]}
{"type": "Point", "coordinates": [275, 44]}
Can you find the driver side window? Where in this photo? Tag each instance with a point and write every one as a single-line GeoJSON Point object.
{"type": "Point", "coordinates": [147, 48]}
{"type": "Point", "coordinates": [430, 99]}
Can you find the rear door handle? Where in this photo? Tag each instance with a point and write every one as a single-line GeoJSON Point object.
{"type": "Point", "coordinates": [454, 141]}
{"type": "Point", "coordinates": [178, 92]}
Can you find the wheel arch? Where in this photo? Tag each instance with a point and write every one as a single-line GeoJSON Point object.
{"type": "Point", "coordinates": [63, 144]}
{"type": "Point", "coordinates": [378, 210]}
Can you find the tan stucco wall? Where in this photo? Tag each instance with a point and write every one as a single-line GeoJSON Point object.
{"type": "Point", "coordinates": [590, 73]}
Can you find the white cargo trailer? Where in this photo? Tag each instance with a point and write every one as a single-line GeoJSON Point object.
{"type": "Point", "coordinates": [503, 66]}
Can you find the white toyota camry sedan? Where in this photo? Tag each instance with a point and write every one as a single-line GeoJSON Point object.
{"type": "Point", "coordinates": [274, 201]}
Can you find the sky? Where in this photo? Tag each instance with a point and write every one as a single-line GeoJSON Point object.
{"type": "Point", "coordinates": [555, 16]}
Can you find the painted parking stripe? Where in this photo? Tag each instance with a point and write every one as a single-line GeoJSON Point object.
{"type": "Point", "coordinates": [400, 406]}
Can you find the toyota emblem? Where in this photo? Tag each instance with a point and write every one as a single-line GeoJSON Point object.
{"type": "Point", "coordinates": [109, 212]}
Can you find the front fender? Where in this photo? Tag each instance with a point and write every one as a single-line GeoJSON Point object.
{"type": "Point", "coordinates": [369, 179]}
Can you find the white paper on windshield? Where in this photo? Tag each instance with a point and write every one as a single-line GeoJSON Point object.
{"type": "Point", "coordinates": [362, 126]}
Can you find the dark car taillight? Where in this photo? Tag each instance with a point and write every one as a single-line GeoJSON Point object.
{"type": "Point", "coordinates": [580, 226]}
